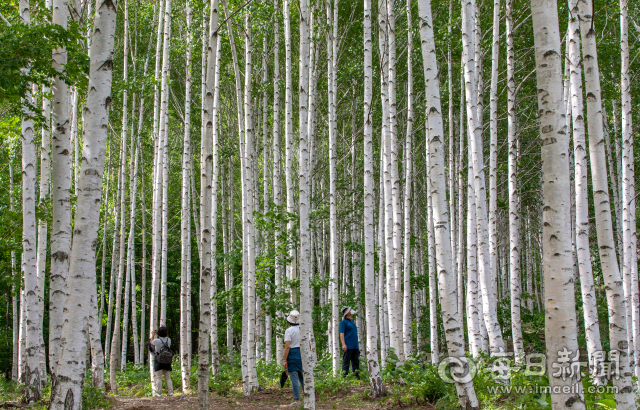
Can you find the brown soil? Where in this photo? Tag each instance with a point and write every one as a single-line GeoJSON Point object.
{"type": "Point", "coordinates": [265, 399]}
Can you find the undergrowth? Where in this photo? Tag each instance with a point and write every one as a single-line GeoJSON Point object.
{"type": "Point", "coordinates": [411, 384]}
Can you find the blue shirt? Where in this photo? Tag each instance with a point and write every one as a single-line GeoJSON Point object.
{"type": "Point", "coordinates": [350, 333]}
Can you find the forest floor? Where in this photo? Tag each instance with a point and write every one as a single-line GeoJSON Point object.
{"type": "Point", "coordinates": [353, 399]}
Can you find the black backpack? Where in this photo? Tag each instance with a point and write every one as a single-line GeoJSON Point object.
{"type": "Point", "coordinates": [165, 355]}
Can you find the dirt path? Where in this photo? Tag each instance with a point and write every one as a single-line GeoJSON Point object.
{"type": "Point", "coordinates": [266, 399]}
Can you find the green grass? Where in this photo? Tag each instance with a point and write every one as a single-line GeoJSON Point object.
{"type": "Point", "coordinates": [413, 383]}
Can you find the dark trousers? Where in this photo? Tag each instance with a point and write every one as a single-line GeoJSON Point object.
{"type": "Point", "coordinates": [351, 356]}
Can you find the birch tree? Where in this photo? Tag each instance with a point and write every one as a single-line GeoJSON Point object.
{"type": "Point", "coordinates": [206, 163]}
{"type": "Point", "coordinates": [614, 284]}
{"type": "Point", "coordinates": [559, 303]}
{"type": "Point", "coordinates": [333, 229]}
{"type": "Point", "coordinates": [583, 253]}
{"type": "Point", "coordinates": [446, 279]}
{"type": "Point", "coordinates": [475, 134]}
{"type": "Point", "coordinates": [81, 284]}
{"type": "Point", "coordinates": [277, 178]}
{"type": "Point", "coordinates": [406, 303]}
{"type": "Point", "coordinates": [306, 295]}
{"type": "Point", "coordinates": [185, 216]}
{"type": "Point", "coordinates": [628, 168]}
{"type": "Point", "coordinates": [378, 388]}
{"type": "Point", "coordinates": [514, 214]}
{"type": "Point", "coordinates": [30, 372]}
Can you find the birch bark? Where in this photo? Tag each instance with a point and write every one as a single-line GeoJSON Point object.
{"type": "Point", "coordinates": [185, 214]}
{"type": "Point", "coordinates": [248, 153]}
{"type": "Point", "coordinates": [164, 138]}
{"type": "Point", "coordinates": [115, 340]}
{"type": "Point", "coordinates": [333, 230]}
{"type": "Point", "coordinates": [215, 356]}
{"type": "Point", "coordinates": [446, 278]}
{"type": "Point", "coordinates": [206, 164]}
{"type": "Point", "coordinates": [628, 170]}
{"type": "Point", "coordinates": [15, 315]}
{"type": "Point", "coordinates": [45, 171]}
{"type": "Point", "coordinates": [306, 292]}
{"type": "Point", "coordinates": [406, 304]}
{"type": "Point", "coordinates": [433, 284]}
{"type": "Point", "coordinates": [378, 388]}
{"type": "Point", "coordinates": [560, 315]}
{"type": "Point", "coordinates": [61, 201]}
{"type": "Point", "coordinates": [614, 283]}
{"type": "Point", "coordinates": [514, 215]}
{"type": "Point", "coordinates": [474, 315]}
{"type": "Point", "coordinates": [81, 284]}
{"type": "Point", "coordinates": [475, 134]}
{"type": "Point", "coordinates": [288, 141]}
{"type": "Point", "coordinates": [493, 148]}
{"type": "Point", "coordinates": [31, 377]}
{"type": "Point", "coordinates": [277, 178]}
{"type": "Point", "coordinates": [583, 253]}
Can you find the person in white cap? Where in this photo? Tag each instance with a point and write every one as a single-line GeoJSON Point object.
{"type": "Point", "coordinates": [292, 357]}
{"type": "Point", "coordinates": [349, 339]}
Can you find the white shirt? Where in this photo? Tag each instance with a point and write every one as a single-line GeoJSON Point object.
{"type": "Point", "coordinates": [157, 343]}
{"type": "Point", "coordinates": [292, 335]}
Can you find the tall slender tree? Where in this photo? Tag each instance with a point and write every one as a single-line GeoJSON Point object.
{"type": "Point", "coordinates": [559, 303]}
{"type": "Point", "coordinates": [446, 277]}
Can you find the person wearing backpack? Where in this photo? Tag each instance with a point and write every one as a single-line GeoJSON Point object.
{"type": "Point", "coordinates": [160, 345]}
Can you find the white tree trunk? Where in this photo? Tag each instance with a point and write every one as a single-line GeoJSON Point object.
{"type": "Point", "coordinates": [164, 138]}
{"type": "Point", "coordinates": [306, 292]}
{"type": "Point", "coordinates": [493, 150]}
{"type": "Point", "coordinates": [97, 355]}
{"type": "Point", "coordinates": [397, 336]}
{"type": "Point", "coordinates": [143, 284]}
{"type": "Point", "coordinates": [560, 314]}
{"type": "Point", "coordinates": [333, 230]}
{"type": "Point", "coordinates": [474, 318]}
{"type": "Point", "coordinates": [112, 279]}
{"type": "Point", "coordinates": [115, 341]}
{"type": "Point", "coordinates": [241, 131]}
{"type": "Point", "coordinates": [378, 388]}
{"type": "Point", "coordinates": [265, 178]}
{"type": "Point", "coordinates": [248, 188]}
{"type": "Point", "coordinates": [475, 133]}
{"type": "Point", "coordinates": [433, 284]}
{"type": "Point", "coordinates": [81, 284]}
{"type": "Point", "coordinates": [185, 216]}
{"type": "Point", "coordinates": [206, 164]}
{"type": "Point", "coordinates": [583, 252]}
{"type": "Point", "coordinates": [614, 284]}
{"type": "Point", "coordinates": [630, 270]}
{"type": "Point", "coordinates": [45, 170]}
{"type": "Point", "coordinates": [61, 181]}
{"type": "Point", "coordinates": [277, 178]}
{"type": "Point", "coordinates": [215, 355]}
{"type": "Point", "coordinates": [406, 303]}
{"type": "Point", "coordinates": [15, 315]}
{"type": "Point", "coordinates": [288, 141]}
{"type": "Point", "coordinates": [514, 214]}
{"type": "Point", "coordinates": [31, 376]}
{"type": "Point", "coordinates": [106, 210]}
{"type": "Point", "coordinates": [446, 276]}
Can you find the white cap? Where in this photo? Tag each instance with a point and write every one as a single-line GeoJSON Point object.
{"type": "Point", "coordinates": [294, 317]}
{"type": "Point", "coordinates": [346, 310]}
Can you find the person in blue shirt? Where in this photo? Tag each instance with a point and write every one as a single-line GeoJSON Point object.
{"type": "Point", "coordinates": [349, 339]}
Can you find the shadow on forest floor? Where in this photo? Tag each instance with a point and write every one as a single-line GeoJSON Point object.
{"type": "Point", "coordinates": [265, 399]}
